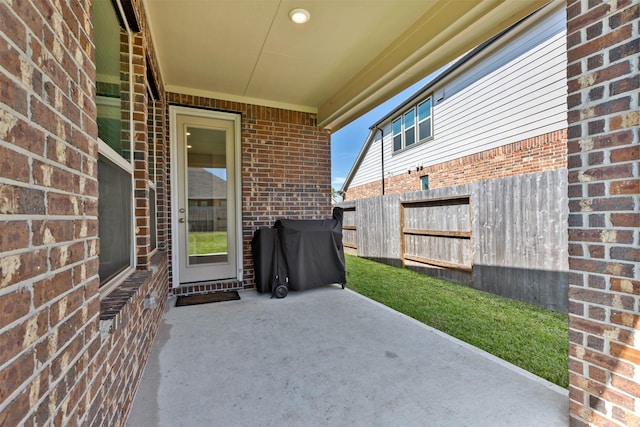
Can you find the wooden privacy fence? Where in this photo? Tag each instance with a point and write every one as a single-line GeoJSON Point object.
{"type": "Point", "coordinates": [207, 218]}
{"type": "Point", "coordinates": [437, 232]}
{"type": "Point", "coordinates": [349, 228]}
{"type": "Point", "coordinates": [511, 241]}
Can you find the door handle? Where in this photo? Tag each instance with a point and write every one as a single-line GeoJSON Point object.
{"type": "Point", "coordinates": [181, 220]}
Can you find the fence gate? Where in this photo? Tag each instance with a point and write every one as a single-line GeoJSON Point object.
{"type": "Point", "coordinates": [437, 232]}
{"type": "Point", "coordinates": [349, 229]}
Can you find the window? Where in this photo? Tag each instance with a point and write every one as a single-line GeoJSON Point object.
{"type": "Point", "coordinates": [424, 180]}
{"type": "Point", "coordinates": [114, 213]}
{"type": "Point", "coordinates": [413, 127]}
{"type": "Point", "coordinates": [424, 120]}
{"type": "Point", "coordinates": [409, 121]}
{"type": "Point", "coordinates": [115, 171]}
{"type": "Point", "coordinates": [397, 134]}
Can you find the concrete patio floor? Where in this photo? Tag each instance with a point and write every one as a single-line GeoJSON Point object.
{"type": "Point", "coordinates": [328, 357]}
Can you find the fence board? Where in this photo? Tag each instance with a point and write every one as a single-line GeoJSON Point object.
{"type": "Point", "coordinates": [437, 231]}
{"type": "Point", "coordinates": [349, 227]}
{"type": "Point", "coordinates": [517, 229]}
{"type": "Point", "coordinates": [378, 228]}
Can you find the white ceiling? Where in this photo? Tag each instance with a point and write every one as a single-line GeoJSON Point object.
{"type": "Point", "coordinates": [351, 56]}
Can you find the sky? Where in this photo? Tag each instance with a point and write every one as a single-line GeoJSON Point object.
{"type": "Point", "coordinates": [347, 142]}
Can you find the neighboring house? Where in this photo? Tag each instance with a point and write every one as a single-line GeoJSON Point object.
{"type": "Point", "coordinates": [498, 111]}
{"type": "Point", "coordinates": [206, 188]}
{"type": "Point", "coordinates": [207, 200]}
{"type": "Point", "coordinates": [97, 98]}
{"type": "Point", "coordinates": [493, 127]}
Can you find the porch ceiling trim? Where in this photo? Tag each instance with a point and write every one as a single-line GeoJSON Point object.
{"type": "Point", "coordinates": [432, 42]}
{"type": "Point", "coordinates": [349, 58]}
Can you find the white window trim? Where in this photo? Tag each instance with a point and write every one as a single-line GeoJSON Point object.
{"type": "Point", "coordinates": [118, 160]}
{"type": "Point", "coordinates": [406, 128]}
{"type": "Point", "coordinates": [418, 139]}
{"type": "Point", "coordinates": [415, 125]}
{"type": "Point", "coordinates": [121, 162]}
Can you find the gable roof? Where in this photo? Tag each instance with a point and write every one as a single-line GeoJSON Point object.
{"type": "Point", "coordinates": [422, 93]}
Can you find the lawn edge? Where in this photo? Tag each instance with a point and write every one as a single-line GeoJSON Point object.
{"type": "Point", "coordinates": [544, 382]}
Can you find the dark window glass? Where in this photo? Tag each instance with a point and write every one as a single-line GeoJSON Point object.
{"type": "Point", "coordinates": [409, 137]}
{"type": "Point", "coordinates": [153, 227]}
{"type": "Point", "coordinates": [409, 127]}
{"type": "Point", "coordinates": [114, 219]}
{"type": "Point", "coordinates": [397, 142]}
{"type": "Point", "coordinates": [397, 134]}
{"type": "Point", "coordinates": [424, 119]}
{"type": "Point", "coordinates": [425, 182]}
{"type": "Point", "coordinates": [425, 129]}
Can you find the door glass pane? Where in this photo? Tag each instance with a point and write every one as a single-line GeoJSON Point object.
{"type": "Point", "coordinates": [207, 195]}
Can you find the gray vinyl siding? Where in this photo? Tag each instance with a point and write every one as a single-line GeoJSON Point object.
{"type": "Point", "coordinates": [514, 90]}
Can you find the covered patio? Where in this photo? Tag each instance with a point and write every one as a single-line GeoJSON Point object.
{"type": "Point", "coordinates": [328, 357]}
{"type": "Point", "coordinates": [93, 96]}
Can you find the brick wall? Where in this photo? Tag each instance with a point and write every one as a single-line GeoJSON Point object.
{"type": "Point", "coordinates": [67, 355]}
{"type": "Point", "coordinates": [604, 223]}
{"type": "Point", "coordinates": [539, 154]}
{"type": "Point", "coordinates": [48, 209]}
{"type": "Point", "coordinates": [128, 329]}
{"type": "Point", "coordinates": [286, 167]}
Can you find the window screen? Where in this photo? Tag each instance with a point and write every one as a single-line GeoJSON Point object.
{"type": "Point", "coordinates": [114, 219]}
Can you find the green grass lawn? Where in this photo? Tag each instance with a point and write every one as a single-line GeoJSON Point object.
{"type": "Point", "coordinates": [530, 337]}
{"type": "Point", "coordinates": [207, 242]}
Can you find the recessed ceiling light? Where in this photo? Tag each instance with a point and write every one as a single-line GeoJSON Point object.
{"type": "Point", "coordinates": [189, 146]}
{"type": "Point", "coordinates": [299, 16]}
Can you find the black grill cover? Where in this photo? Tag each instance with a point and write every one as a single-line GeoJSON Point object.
{"type": "Point", "coordinates": [268, 260]}
{"type": "Point", "coordinates": [313, 251]}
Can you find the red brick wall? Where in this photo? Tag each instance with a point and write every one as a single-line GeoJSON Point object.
{"type": "Point", "coordinates": [539, 154]}
{"type": "Point", "coordinates": [286, 166]}
{"type": "Point", "coordinates": [48, 205]}
{"type": "Point", "coordinates": [56, 367]}
{"type": "Point", "coordinates": [604, 223]}
{"type": "Point", "coordinates": [128, 330]}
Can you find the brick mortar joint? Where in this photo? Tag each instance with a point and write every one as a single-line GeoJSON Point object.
{"type": "Point", "coordinates": [111, 306]}
{"type": "Point", "coordinates": [39, 369]}
{"type": "Point", "coordinates": [49, 161]}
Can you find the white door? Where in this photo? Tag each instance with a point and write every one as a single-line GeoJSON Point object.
{"type": "Point", "coordinates": [205, 197]}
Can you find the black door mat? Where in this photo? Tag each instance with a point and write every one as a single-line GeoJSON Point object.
{"type": "Point", "coordinates": [195, 299]}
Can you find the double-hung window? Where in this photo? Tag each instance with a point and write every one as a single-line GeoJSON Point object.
{"type": "Point", "coordinates": [424, 119]}
{"type": "Point", "coordinates": [409, 122]}
{"type": "Point", "coordinates": [414, 126]}
{"type": "Point", "coordinates": [115, 171]}
{"type": "Point", "coordinates": [396, 128]}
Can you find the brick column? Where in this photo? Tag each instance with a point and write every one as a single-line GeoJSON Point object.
{"type": "Point", "coordinates": [603, 148]}
{"type": "Point", "coordinates": [141, 152]}
{"type": "Point", "coordinates": [134, 94]}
